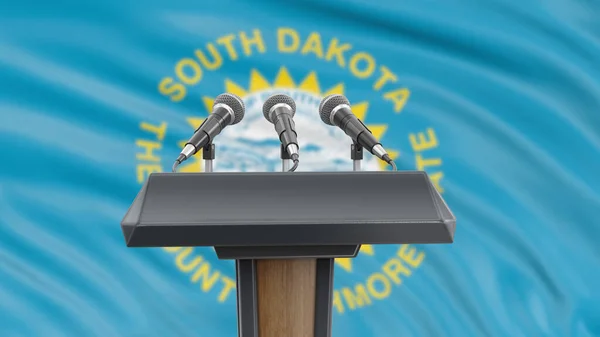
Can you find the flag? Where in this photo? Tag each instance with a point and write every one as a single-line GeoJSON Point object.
{"type": "Point", "coordinates": [499, 102]}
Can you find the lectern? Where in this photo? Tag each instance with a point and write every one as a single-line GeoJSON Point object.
{"type": "Point", "coordinates": [284, 231]}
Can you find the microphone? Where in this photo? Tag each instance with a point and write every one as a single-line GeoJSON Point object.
{"type": "Point", "coordinates": [227, 110]}
{"type": "Point", "coordinates": [335, 110]}
{"type": "Point", "coordinates": [279, 109]}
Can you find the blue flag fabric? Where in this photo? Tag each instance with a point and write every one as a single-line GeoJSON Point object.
{"type": "Point", "coordinates": [499, 101]}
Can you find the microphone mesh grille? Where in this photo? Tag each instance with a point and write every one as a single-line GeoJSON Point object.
{"type": "Point", "coordinates": [328, 104]}
{"type": "Point", "coordinates": [276, 99]}
{"type": "Point", "coordinates": [235, 103]}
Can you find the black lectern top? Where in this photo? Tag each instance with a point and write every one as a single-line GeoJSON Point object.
{"type": "Point", "coordinates": [287, 209]}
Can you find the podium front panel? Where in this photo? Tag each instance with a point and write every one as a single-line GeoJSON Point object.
{"type": "Point", "coordinates": [295, 209]}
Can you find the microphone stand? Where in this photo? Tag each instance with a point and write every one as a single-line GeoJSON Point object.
{"type": "Point", "coordinates": [356, 154]}
{"type": "Point", "coordinates": [285, 159]}
{"type": "Point", "coordinates": [208, 154]}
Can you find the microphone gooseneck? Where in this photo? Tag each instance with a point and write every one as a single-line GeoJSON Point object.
{"type": "Point", "coordinates": [279, 109]}
{"type": "Point", "coordinates": [335, 110]}
{"type": "Point", "coordinates": [227, 110]}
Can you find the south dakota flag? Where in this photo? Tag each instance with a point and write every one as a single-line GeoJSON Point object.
{"type": "Point", "coordinates": [499, 101]}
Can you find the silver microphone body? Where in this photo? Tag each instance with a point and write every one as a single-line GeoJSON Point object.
{"type": "Point", "coordinates": [227, 110]}
{"type": "Point", "coordinates": [335, 110]}
{"type": "Point", "coordinates": [279, 109]}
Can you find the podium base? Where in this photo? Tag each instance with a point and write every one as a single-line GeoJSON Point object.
{"type": "Point", "coordinates": [284, 297]}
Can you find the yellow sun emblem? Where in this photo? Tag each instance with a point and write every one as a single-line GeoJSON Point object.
{"type": "Point", "coordinates": [283, 80]}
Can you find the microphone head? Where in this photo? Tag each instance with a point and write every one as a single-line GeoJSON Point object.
{"type": "Point", "coordinates": [235, 103]}
{"type": "Point", "coordinates": [278, 99]}
{"type": "Point", "coordinates": [328, 104]}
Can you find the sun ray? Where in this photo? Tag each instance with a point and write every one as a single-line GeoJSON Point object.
{"type": "Point", "coordinates": [360, 110]}
{"type": "Point", "coordinates": [346, 263]}
{"type": "Point", "coordinates": [378, 130]}
{"type": "Point", "coordinates": [208, 103]}
{"type": "Point", "coordinates": [258, 82]}
{"type": "Point", "coordinates": [195, 122]}
{"type": "Point", "coordinates": [367, 249]}
{"type": "Point", "coordinates": [284, 79]}
{"type": "Point", "coordinates": [233, 88]}
{"type": "Point", "coordinates": [337, 89]}
{"type": "Point", "coordinates": [311, 84]}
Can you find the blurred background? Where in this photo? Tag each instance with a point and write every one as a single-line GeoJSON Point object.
{"type": "Point", "coordinates": [499, 101]}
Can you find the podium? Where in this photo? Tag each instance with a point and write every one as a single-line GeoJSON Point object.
{"type": "Point", "coordinates": [284, 231]}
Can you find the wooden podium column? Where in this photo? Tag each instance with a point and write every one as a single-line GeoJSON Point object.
{"type": "Point", "coordinates": [286, 297]}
